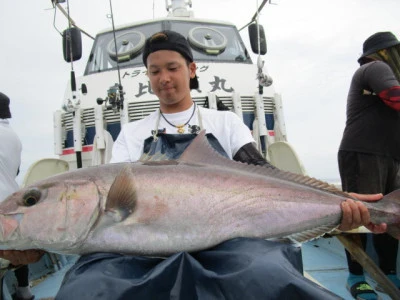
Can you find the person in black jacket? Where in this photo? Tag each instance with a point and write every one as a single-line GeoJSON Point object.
{"type": "Point", "coordinates": [369, 153]}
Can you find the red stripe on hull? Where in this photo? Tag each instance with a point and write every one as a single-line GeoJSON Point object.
{"type": "Point", "coordinates": [68, 151]}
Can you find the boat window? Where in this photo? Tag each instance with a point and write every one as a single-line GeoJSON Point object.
{"type": "Point", "coordinates": [210, 43]}
{"type": "Point", "coordinates": [213, 42]}
{"type": "Point", "coordinates": [126, 45]}
{"type": "Point", "coordinates": [208, 39]}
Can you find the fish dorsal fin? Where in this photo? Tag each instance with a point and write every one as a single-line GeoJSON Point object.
{"type": "Point", "coordinates": [306, 181]}
{"type": "Point", "coordinates": [200, 151]}
{"type": "Point", "coordinates": [121, 199]}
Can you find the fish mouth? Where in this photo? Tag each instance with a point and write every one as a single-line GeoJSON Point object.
{"type": "Point", "coordinates": [8, 225]}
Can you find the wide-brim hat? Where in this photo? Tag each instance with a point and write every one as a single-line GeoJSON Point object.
{"type": "Point", "coordinates": [378, 41]}
{"type": "Point", "coordinates": [170, 40]}
{"type": "Point", "coordinates": [4, 107]}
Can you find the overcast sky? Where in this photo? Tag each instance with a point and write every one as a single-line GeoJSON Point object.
{"type": "Point", "coordinates": [313, 47]}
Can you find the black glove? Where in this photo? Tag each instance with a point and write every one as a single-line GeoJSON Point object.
{"type": "Point", "coordinates": [249, 154]}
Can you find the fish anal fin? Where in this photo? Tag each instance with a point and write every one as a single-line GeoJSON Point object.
{"type": "Point", "coordinates": [122, 197]}
{"type": "Point", "coordinates": [312, 234]}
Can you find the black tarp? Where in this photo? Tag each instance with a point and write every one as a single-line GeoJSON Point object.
{"type": "Point", "coordinates": [241, 268]}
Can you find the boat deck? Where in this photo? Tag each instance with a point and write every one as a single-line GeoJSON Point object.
{"type": "Point", "coordinates": [45, 278]}
{"type": "Point", "coordinates": [325, 263]}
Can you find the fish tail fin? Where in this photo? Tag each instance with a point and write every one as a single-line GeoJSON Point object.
{"type": "Point", "coordinates": [393, 196]}
{"type": "Point", "coordinates": [394, 231]}
{"type": "Point", "coordinates": [393, 201]}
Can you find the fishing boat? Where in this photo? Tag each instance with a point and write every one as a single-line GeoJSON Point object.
{"type": "Point", "coordinates": [114, 90]}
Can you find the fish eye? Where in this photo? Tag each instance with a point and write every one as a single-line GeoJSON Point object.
{"type": "Point", "coordinates": [31, 197]}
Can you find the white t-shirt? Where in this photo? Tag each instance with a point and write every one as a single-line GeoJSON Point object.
{"type": "Point", "coordinates": [226, 126]}
{"type": "Point", "coordinates": [10, 159]}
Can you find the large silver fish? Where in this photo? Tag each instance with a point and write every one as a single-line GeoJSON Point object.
{"type": "Point", "coordinates": [163, 207]}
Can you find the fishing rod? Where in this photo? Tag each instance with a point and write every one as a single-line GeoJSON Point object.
{"type": "Point", "coordinates": [259, 123]}
{"type": "Point", "coordinates": [72, 52]}
{"type": "Point", "coordinates": [263, 79]}
{"type": "Point", "coordinates": [73, 104]}
{"type": "Point", "coordinates": [115, 94]}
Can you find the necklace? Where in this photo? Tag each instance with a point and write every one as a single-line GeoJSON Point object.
{"type": "Point", "coordinates": [180, 128]}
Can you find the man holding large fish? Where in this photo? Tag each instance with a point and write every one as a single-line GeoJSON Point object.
{"type": "Point", "coordinates": [176, 104]}
{"type": "Point", "coordinates": [198, 201]}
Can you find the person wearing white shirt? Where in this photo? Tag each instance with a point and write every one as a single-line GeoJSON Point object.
{"type": "Point", "coordinates": [10, 161]}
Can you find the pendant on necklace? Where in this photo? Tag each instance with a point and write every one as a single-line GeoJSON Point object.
{"type": "Point", "coordinates": [181, 128]}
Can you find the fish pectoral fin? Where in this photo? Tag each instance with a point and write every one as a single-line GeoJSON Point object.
{"type": "Point", "coordinates": [112, 216]}
{"type": "Point", "coordinates": [122, 197]}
